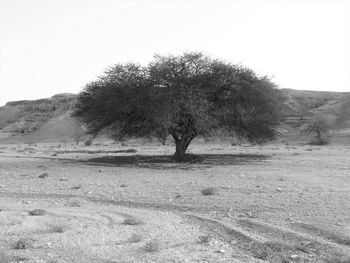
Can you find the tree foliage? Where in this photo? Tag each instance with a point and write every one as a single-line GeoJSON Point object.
{"type": "Point", "coordinates": [182, 96]}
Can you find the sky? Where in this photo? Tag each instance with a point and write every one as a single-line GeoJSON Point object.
{"type": "Point", "coordinates": [57, 46]}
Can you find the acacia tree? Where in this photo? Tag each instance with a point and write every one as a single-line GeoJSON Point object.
{"type": "Point", "coordinates": [320, 129]}
{"type": "Point", "coordinates": [182, 96]}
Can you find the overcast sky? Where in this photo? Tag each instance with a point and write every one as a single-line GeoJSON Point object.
{"type": "Point", "coordinates": [56, 46]}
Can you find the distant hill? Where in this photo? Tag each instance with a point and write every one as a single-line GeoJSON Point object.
{"type": "Point", "coordinates": [39, 120]}
{"type": "Point", "coordinates": [302, 105]}
{"type": "Point", "coordinates": [50, 119]}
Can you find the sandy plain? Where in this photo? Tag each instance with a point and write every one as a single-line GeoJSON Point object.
{"type": "Point", "coordinates": [113, 203]}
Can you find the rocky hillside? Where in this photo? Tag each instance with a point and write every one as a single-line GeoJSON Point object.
{"type": "Point", "coordinates": [39, 120]}
{"type": "Point", "coordinates": [50, 119]}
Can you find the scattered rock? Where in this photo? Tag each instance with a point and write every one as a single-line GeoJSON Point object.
{"type": "Point", "coordinates": [210, 191]}
{"type": "Point", "coordinates": [279, 190]}
{"type": "Point", "coordinates": [44, 175]}
{"type": "Point", "coordinates": [100, 170]}
{"type": "Point", "coordinates": [123, 185]}
{"type": "Point", "coordinates": [294, 256]}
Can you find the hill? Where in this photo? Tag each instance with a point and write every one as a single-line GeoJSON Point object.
{"type": "Point", "coordinates": [50, 119]}
{"type": "Point", "coordinates": [39, 120]}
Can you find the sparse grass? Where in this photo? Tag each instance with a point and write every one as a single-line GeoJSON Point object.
{"type": "Point", "coordinates": [37, 212]}
{"type": "Point", "coordinates": [210, 191]}
{"type": "Point", "coordinates": [132, 221]}
{"type": "Point", "coordinates": [22, 243]}
{"type": "Point", "coordinates": [135, 238]}
{"type": "Point", "coordinates": [338, 260]}
{"type": "Point", "coordinates": [152, 246]}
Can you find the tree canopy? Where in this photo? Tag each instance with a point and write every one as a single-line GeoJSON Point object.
{"type": "Point", "coordinates": [182, 96]}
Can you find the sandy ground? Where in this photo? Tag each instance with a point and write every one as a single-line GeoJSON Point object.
{"type": "Point", "coordinates": [275, 203]}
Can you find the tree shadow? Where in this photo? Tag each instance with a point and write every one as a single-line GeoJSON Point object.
{"type": "Point", "coordinates": [166, 162]}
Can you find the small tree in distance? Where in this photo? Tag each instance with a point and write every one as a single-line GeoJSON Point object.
{"type": "Point", "coordinates": [77, 136]}
{"type": "Point", "coordinates": [182, 96]}
{"type": "Point", "coordinates": [320, 129]}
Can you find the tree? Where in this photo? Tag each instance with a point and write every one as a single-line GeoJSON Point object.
{"type": "Point", "coordinates": [77, 136]}
{"type": "Point", "coordinates": [182, 96]}
{"type": "Point", "coordinates": [320, 129]}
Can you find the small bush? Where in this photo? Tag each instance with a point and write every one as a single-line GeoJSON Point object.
{"type": "Point", "coordinates": [135, 238]}
{"type": "Point", "coordinates": [260, 251]}
{"type": "Point", "coordinates": [88, 142]}
{"type": "Point", "coordinates": [132, 221]}
{"type": "Point", "coordinates": [56, 229]}
{"type": "Point", "coordinates": [37, 212]}
{"type": "Point", "coordinates": [22, 243]}
{"type": "Point", "coordinates": [210, 191]}
{"type": "Point", "coordinates": [206, 239]}
{"type": "Point", "coordinates": [74, 203]}
{"type": "Point", "coordinates": [152, 246]}
{"type": "Point", "coordinates": [319, 141]}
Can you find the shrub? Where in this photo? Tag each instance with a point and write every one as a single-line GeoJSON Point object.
{"type": "Point", "coordinates": [22, 243]}
{"type": "Point", "coordinates": [56, 229]}
{"type": "Point", "coordinates": [74, 203]}
{"type": "Point", "coordinates": [135, 238]}
{"type": "Point", "coordinates": [152, 246]}
{"type": "Point", "coordinates": [88, 142]}
{"type": "Point", "coordinates": [37, 212]}
{"type": "Point", "coordinates": [319, 141]}
{"type": "Point", "coordinates": [205, 239]}
{"type": "Point", "coordinates": [132, 221]}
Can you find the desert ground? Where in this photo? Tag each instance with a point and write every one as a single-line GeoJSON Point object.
{"type": "Point", "coordinates": [129, 203]}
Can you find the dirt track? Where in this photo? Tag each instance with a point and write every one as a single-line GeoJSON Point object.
{"type": "Point", "coordinates": [274, 204]}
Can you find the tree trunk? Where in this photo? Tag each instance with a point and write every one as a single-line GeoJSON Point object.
{"type": "Point", "coordinates": [181, 147]}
